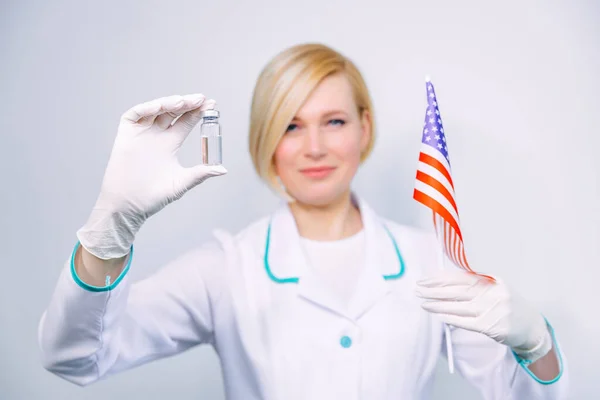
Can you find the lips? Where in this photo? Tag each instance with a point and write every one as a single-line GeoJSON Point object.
{"type": "Point", "coordinates": [317, 172]}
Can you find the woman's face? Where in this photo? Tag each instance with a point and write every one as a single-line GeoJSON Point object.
{"type": "Point", "coordinates": [319, 154]}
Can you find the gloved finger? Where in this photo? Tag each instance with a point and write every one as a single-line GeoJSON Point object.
{"type": "Point", "coordinates": [137, 112]}
{"type": "Point", "coordinates": [146, 113]}
{"type": "Point", "coordinates": [459, 308]}
{"type": "Point", "coordinates": [169, 110]}
{"type": "Point", "coordinates": [452, 293]}
{"type": "Point", "coordinates": [189, 102]}
{"type": "Point", "coordinates": [449, 277]}
{"type": "Point", "coordinates": [190, 119]}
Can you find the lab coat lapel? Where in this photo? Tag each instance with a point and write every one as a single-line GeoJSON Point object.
{"type": "Point", "coordinates": [371, 285]}
{"type": "Point", "coordinates": [288, 261]}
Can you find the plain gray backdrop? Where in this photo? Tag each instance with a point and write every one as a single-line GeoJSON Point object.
{"type": "Point", "coordinates": [517, 83]}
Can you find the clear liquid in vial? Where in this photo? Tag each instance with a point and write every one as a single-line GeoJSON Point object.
{"type": "Point", "coordinates": [211, 150]}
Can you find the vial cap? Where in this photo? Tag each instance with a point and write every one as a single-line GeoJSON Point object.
{"type": "Point", "coordinates": [209, 113]}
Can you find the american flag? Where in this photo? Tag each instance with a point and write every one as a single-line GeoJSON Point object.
{"type": "Point", "coordinates": [434, 187]}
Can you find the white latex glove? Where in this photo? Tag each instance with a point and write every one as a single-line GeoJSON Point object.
{"type": "Point", "coordinates": [470, 302]}
{"type": "Point", "coordinates": [143, 174]}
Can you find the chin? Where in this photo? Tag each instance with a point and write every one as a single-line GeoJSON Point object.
{"type": "Point", "coordinates": [319, 195]}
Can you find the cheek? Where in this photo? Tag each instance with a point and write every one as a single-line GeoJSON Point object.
{"type": "Point", "coordinates": [286, 154]}
{"type": "Point", "coordinates": [346, 146]}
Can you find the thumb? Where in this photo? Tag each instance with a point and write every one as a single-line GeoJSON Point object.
{"type": "Point", "coordinates": [193, 176]}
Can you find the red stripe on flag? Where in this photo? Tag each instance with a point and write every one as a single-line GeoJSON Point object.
{"type": "Point", "coordinates": [449, 242]}
{"type": "Point", "coordinates": [460, 255]}
{"type": "Point", "coordinates": [427, 159]}
{"type": "Point", "coordinates": [454, 244]}
{"type": "Point", "coordinates": [437, 208]}
{"type": "Point", "coordinates": [464, 257]}
{"type": "Point", "coordinates": [434, 183]}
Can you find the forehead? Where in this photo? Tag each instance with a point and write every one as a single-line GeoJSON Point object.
{"type": "Point", "coordinates": [332, 93]}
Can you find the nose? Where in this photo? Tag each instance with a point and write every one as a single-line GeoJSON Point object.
{"type": "Point", "coordinates": [315, 146]}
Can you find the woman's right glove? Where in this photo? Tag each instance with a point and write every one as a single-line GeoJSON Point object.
{"type": "Point", "coordinates": [471, 302]}
{"type": "Point", "coordinates": [143, 174]}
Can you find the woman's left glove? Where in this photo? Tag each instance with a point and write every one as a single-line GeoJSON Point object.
{"type": "Point", "coordinates": [471, 302]}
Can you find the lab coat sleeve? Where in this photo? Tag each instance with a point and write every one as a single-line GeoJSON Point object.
{"type": "Point", "coordinates": [88, 333]}
{"type": "Point", "coordinates": [497, 373]}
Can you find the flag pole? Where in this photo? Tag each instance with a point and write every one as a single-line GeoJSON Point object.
{"type": "Point", "coordinates": [449, 350]}
{"type": "Point", "coordinates": [435, 190]}
{"type": "Point", "coordinates": [443, 263]}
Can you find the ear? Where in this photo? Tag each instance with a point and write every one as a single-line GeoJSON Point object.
{"type": "Point", "coordinates": [367, 125]}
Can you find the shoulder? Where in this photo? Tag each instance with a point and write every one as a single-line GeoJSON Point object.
{"type": "Point", "coordinates": [218, 261]}
{"type": "Point", "coordinates": [409, 233]}
{"type": "Point", "coordinates": [418, 245]}
{"type": "Point", "coordinates": [252, 236]}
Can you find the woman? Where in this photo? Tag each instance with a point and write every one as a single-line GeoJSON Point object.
{"type": "Point", "coordinates": [317, 300]}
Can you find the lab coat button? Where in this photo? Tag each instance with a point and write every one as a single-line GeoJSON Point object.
{"type": "Point", "coordinates": [346, 342]}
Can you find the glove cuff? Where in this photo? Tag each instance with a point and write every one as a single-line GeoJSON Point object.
{"type": "Point", "coordinates": [109, 235]}
{"type": "Point", "coordinates": [541, 347]}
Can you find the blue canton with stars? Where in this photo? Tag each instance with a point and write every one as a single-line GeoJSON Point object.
{"type": "Point", "coordinates": [433, 131]}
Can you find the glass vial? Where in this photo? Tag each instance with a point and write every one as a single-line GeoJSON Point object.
{"type": "Point", "coordinates": [210, 134]}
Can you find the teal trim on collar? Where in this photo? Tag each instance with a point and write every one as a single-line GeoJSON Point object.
{"type": "Point", "coordinates": [524, 363]}
{"type": "Point", "coordinates": [296, 279]}
{"type": "Point", "coordinates": [267, 266]}
{"type": "Point", "coordinates": [91, 288]}
{"type": "Point", "coordinates": [400, 259]}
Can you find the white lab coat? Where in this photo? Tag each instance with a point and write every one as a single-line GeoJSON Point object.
{"type": "Point", "coordinates": [279, 337]}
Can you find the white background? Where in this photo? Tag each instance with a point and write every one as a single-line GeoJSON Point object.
{"type": "Point", "coordinates": [517, 84]}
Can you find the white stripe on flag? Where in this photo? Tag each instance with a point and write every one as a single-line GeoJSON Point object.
{"type": "Point", "coordinates": [448, 237]}
{"type": "Point", "coordinates": [461, 261]}
{"type": "Point", "coordinates": [437, 196]}
{"type": "Point", "coordinates": [453, 237]}
{"type": "Point", "coordinates": [430, 151]}
{"type": "Point", "coordinates": [437, 175]}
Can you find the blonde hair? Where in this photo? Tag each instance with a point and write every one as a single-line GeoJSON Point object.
{"type": "Point", "coordinates": [283, 86]}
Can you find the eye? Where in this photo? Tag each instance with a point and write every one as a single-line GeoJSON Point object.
{"type": "Point", "coordinates": [291, 127]}
{"type": "Point", "coordinates": [338, 122]}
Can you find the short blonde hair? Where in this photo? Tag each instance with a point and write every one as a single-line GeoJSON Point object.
{"type": "Point", "coordinates": [283, 86]}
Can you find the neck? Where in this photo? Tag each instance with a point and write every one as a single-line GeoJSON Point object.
{"type": "Point", "coordinates": [334, 221]}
